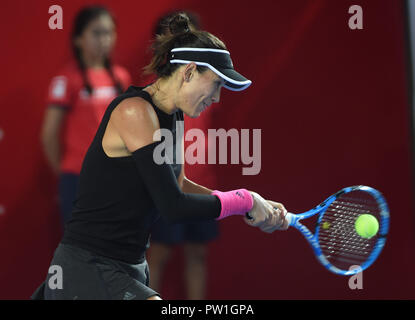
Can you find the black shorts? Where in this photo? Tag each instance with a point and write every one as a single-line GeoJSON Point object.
{"type": "Point", "coordinates": [88, 276]}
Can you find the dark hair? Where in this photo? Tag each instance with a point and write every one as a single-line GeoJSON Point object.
{"type": "Point", "coordinates": [163, 23]}
{"type": "Point", "coordinates": [180, 34]}
{"type": "Point", "coordinates": [82, 19]}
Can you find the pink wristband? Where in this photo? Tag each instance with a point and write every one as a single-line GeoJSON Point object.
{"type": "Point", "coordinates": [235, 202]}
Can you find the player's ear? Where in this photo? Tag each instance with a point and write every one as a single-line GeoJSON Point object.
{"type": "Point", "coordinates": [189, 71]}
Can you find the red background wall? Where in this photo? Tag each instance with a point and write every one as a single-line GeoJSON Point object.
{"type": "Point", "coordinates": [332, 104]}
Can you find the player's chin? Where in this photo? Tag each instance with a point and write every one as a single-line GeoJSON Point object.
{"type": "Point", "coordinates": [194, 115]}
{"type": "Point", "coordinates": [197, 113]}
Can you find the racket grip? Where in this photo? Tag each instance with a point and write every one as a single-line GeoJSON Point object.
{"type": "Point", "coordinates": [289, 217]}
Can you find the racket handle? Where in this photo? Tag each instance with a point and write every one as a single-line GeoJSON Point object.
{"type": "Point", "coordinates": [289, 217]}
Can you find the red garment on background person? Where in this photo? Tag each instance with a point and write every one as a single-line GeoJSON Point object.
{"type": "Point", "coordinates": [84, 111]}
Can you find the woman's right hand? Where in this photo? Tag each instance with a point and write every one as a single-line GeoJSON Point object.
{"type": "Point", "coordinates": [264, 216]}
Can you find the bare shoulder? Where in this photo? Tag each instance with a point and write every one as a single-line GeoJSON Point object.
{"type": "Point", "coordinates": [133, 109]}
{"type": "Point", "coordinates": [136, 122]}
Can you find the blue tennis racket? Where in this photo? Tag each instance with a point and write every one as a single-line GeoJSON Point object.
{"type": "Point", "coordinates": [335, 241]}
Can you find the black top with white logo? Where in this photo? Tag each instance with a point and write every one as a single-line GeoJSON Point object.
{"type": "Point", "coordinates": [117, 198]}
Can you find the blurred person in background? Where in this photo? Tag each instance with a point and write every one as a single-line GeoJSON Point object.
{"type": "Point", "coordinates": [77, 98]}
{"type": "Point", "coordinates": [193, 236]}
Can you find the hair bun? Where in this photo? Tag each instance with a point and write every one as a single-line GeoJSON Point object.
{"type": "Point", "coordinates": [179, 23]}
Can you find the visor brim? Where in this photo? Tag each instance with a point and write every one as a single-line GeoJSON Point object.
{"type": "Point", "coordinates": [234, 80]}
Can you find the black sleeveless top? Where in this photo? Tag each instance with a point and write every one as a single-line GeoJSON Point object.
{"type": "Point", "coordinates": [113, 212]}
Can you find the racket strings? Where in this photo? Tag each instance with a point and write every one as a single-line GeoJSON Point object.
{"type": "Point", "coordinates": [338, 239]}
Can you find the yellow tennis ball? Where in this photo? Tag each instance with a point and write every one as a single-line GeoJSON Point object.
{"type": "Point", "coordinates": [366, 226]}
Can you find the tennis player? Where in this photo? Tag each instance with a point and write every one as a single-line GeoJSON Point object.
{"type": "Point", "coordinates": [123, 191]}
{"type": "Point", "coordinates": [192, 237]}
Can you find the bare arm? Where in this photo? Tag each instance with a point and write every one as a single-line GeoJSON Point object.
{"type": "Point", "coordinates": [50, 135]}
{"type": "Point", "coordinates": [136, 122]}
{"type": "Point", "coordinates": [192, 187]}
{"type": "Point", "coordinates": [189, 186]}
